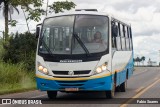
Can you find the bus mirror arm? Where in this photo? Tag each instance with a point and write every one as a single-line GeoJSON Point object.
{"type": "Point", "coordinates": [106, 63]}
{"type": "Point", "coordinates": [108, 70]}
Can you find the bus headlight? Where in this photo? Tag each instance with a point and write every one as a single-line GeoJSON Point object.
{"type": "Point", "coordinates": [101, 68]}
{"type": "Point", "coordinates": [45, 71]}
{"type": "Point", "coordinates": [42, 69]}
{"type": "Point", "coordinates": [104, 67]}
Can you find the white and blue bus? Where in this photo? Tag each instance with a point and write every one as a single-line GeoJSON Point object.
{"type": "Point", "coordinates": [83, 51]}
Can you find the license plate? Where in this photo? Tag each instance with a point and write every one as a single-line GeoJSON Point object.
{"type": "Point", "coordinates": [71, 89]}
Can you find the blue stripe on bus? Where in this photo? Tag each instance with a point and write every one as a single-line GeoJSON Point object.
{"type": "Point", "coordinates": [121, 76]}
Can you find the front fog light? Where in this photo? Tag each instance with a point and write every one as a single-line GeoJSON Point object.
{"type": "Point", "coordinates": [98, 70]}
{"type": "Point", "coordinates": [45, 70]}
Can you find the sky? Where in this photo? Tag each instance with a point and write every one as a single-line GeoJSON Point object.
{"type": "Point", "coordinates": [143, 15]}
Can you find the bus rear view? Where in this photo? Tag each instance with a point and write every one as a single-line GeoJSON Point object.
{"type": "Point", "coordinates": [74, 53]}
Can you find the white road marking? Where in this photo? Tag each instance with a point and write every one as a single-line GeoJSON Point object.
{"type": "Point", "coordinates": [139, 89]}
{"type": "Point", "coordinates": [139, 94]}
{"type": "Point", "coordinates": [155, 78]}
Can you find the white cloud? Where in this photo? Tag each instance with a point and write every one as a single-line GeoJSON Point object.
{"type": "Point", "coordinates": [147, 46]}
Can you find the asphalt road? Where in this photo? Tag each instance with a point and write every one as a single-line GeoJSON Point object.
{"type": "Point", "coordinates": [145, 83]}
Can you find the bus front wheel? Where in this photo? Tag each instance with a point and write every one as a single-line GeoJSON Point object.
{"type": "Point", "coordinates": [52, 94]}
{"type": "Point", "coordinates": [110, 93]}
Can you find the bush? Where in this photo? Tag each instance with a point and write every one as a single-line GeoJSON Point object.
{"type": "Point", "coordinates": [15, 77]}
{"type": "Point", "coordinates": [21, 48]}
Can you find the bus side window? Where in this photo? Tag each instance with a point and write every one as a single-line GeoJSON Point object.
{"type": "Point", "coordinates": [118, 39]}
{"type": "Point", "coordinates": [124, 33]}
{"type": "Point", "coordinates": [130, 33]}
{"type": "Point", "coordinates": [114, 34]}
{"type": "Point", "coordinates": [126, 37]}
{"type": "Point", "coordinates": [122, 37]}
{"type": "Point", "coordinates": [129, 48]}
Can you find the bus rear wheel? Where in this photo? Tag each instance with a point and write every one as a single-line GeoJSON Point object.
{"type": "Point", "coordinates": [123, 86]}
{"type": "Point", "coordinates": [52, 94]}
{"type": "Point", "coordinates": [110, 94]}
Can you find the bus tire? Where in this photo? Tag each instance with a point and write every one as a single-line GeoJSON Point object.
{"type": "Point", "coordinates": [117, 89]}
{"type": "Point", "coordinates": [123, 87]}
{"type": "Point", "coordinates": [110, 94]}
{"type": "Point", "coordinates": [52, 94]}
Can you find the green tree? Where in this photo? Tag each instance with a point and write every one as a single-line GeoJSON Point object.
{"type": "Point", "coordinates": [7, 9]}
{"type": "Point", "coordinates": [21, 48]}
{"type": "Point", "coordinates": [33, 13]}
{"type": "Point", "coordinates": [61, 5]}
{"type": "Point", "coordinates": [143, 59]}
{"type": "Point", "coordinates": [8, 6]}
{"type": "Point", "coordinates": [134, 60]}
{"type": "Point", "coordinates": [138, 60]}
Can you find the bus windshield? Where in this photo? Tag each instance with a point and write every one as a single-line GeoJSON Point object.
{"type": "Point", "coordinates": [58, 34]}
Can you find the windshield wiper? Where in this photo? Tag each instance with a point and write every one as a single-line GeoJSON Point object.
{"type": "Point", "coordinates": [81, 43]}
{"type": "Point", "coordinates": [45, 45]}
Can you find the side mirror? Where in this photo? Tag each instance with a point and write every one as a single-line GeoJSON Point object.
{"type": "Point", "coordinates": [38, 29]}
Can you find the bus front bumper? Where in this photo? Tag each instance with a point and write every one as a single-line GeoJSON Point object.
{"type": "Point", "coordinates": [96, 84]}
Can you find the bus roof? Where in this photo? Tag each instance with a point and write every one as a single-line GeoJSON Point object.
{"type": "Point", "coordinates": [88, 12]}
{"type": "Point", "coordinates": [79, 12]}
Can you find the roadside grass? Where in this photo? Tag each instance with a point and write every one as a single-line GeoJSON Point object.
{"type": "Point", "coordinates": [14, 78]}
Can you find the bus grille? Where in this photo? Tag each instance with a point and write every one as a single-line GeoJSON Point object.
{"type": "Point", "coordinates": [75, 72]}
